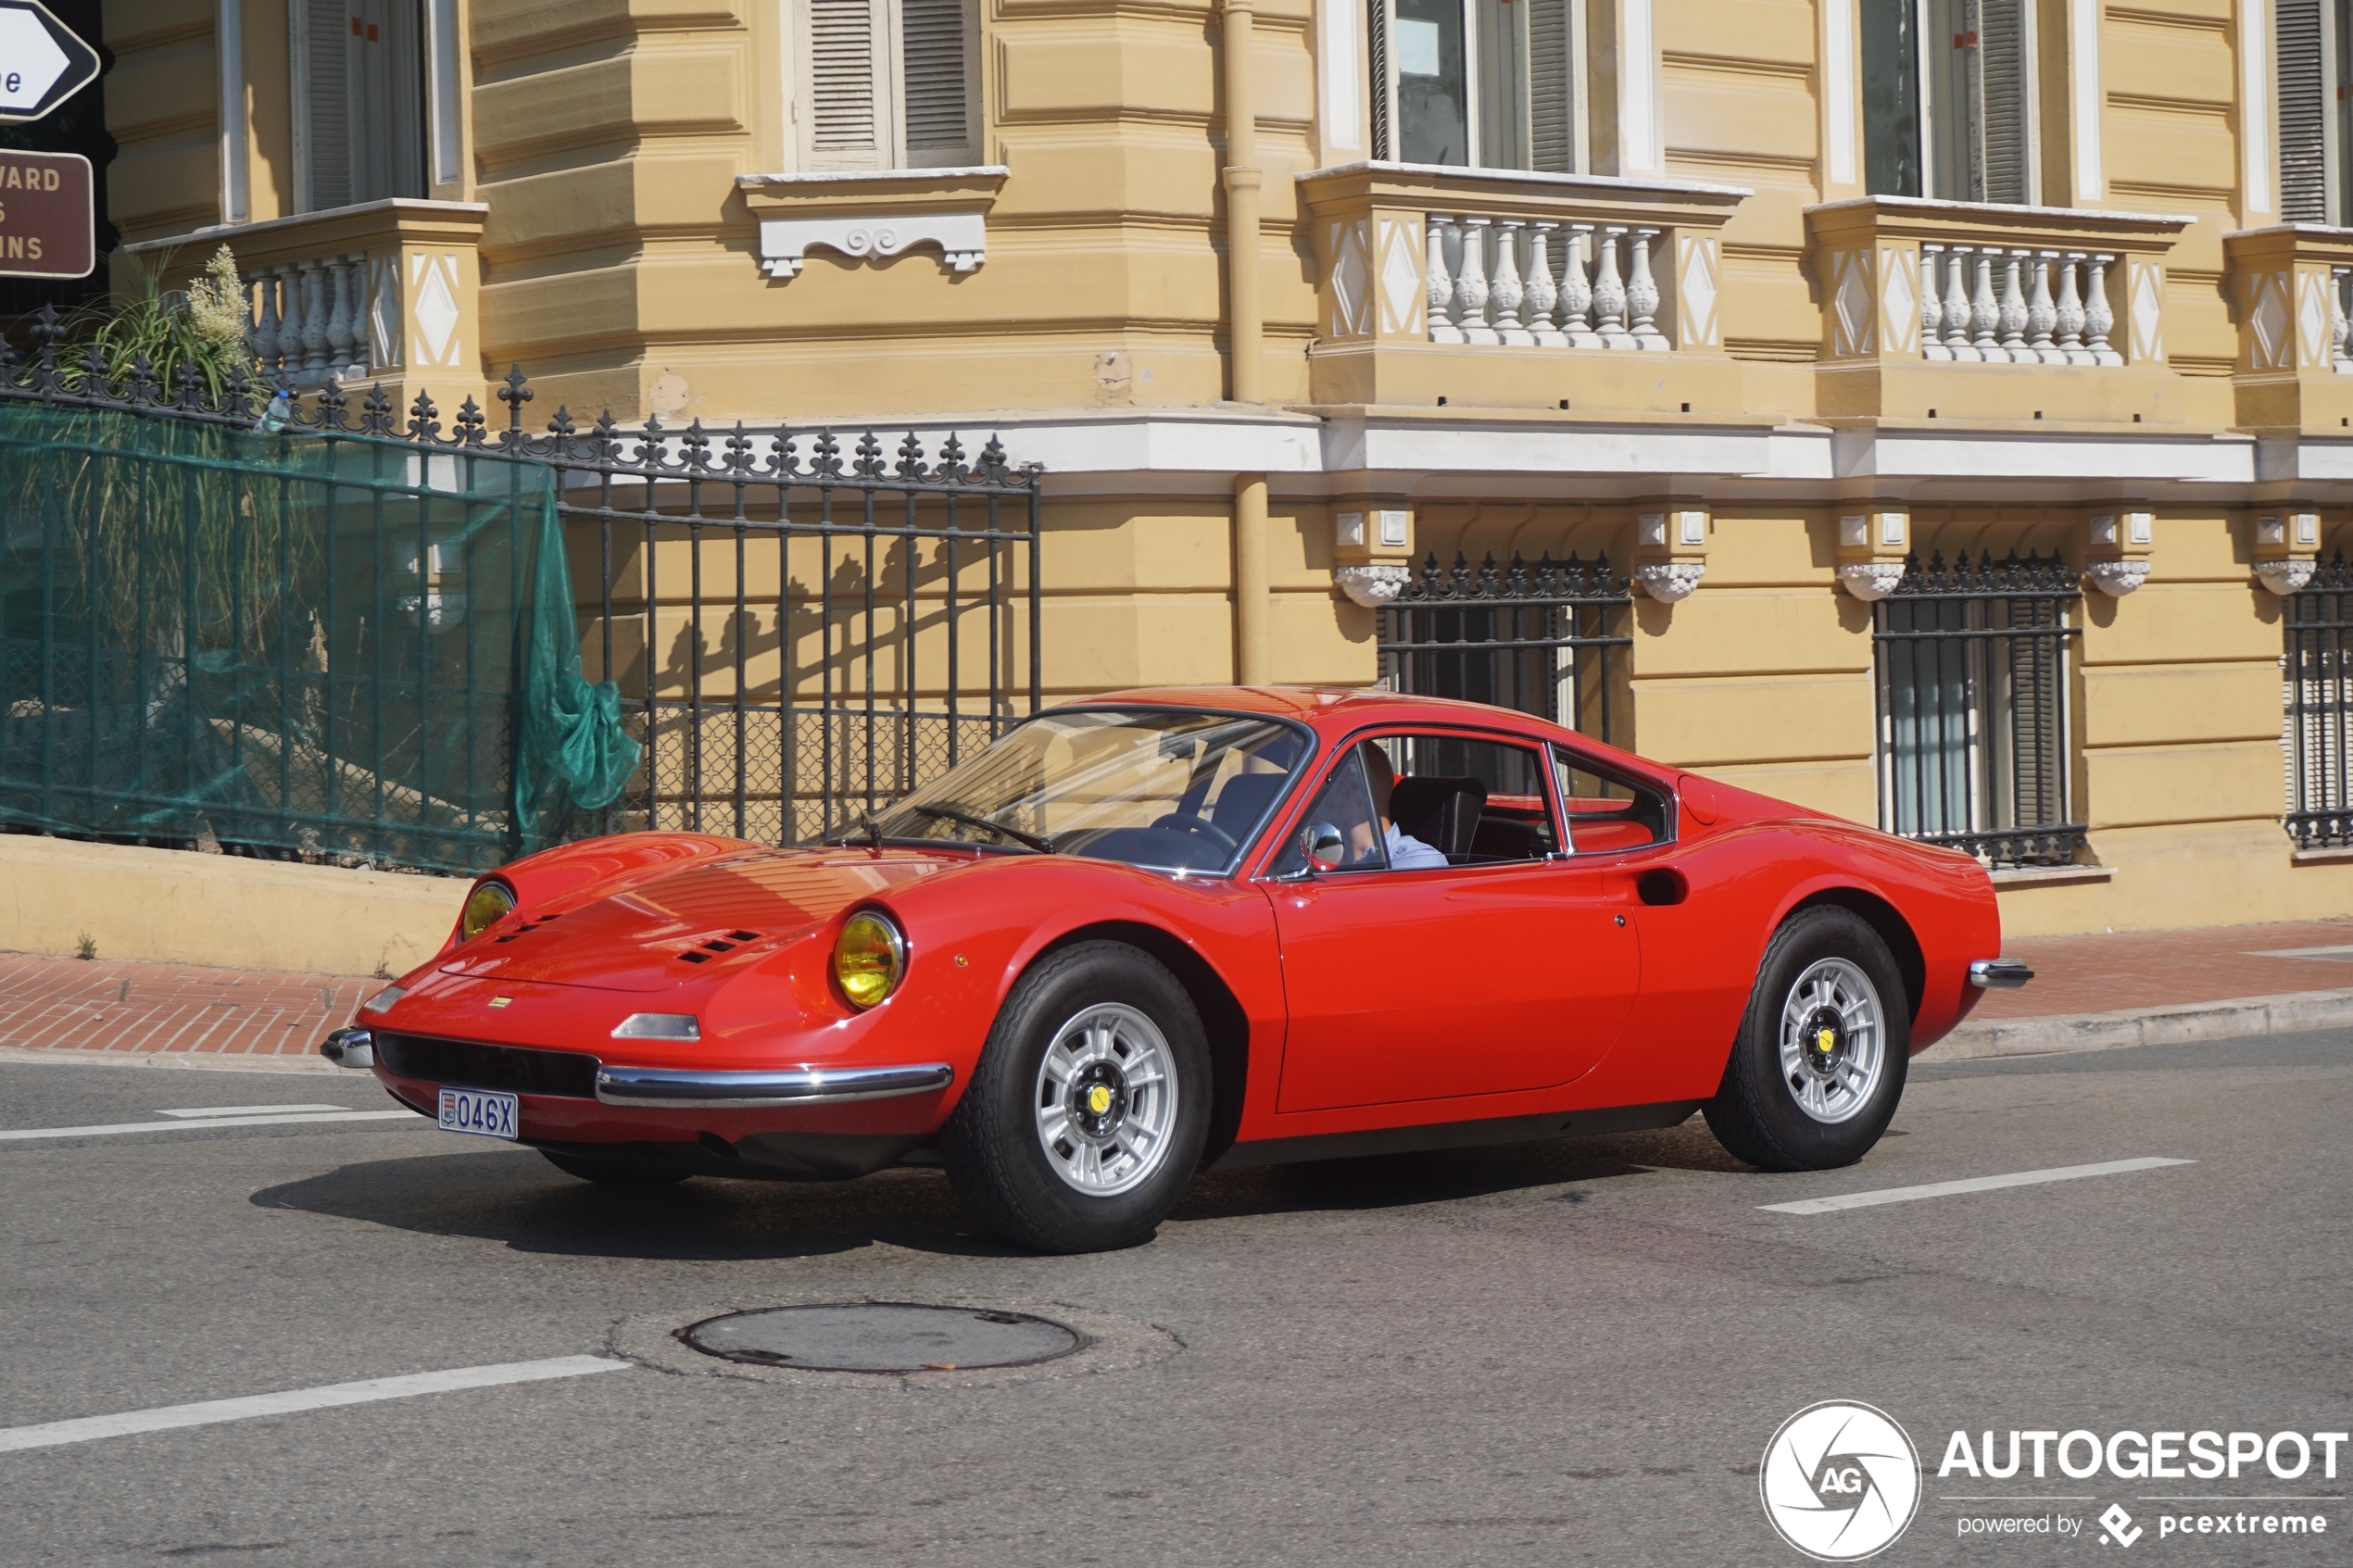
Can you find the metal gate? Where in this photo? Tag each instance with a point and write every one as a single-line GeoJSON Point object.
{"type": "Point", "coordinates": [2318, 701]}
{"type": "Point", "coordinates": [1546, 639]}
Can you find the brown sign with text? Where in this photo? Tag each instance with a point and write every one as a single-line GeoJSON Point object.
{"type": "Point", "coordinates": [48, 224]}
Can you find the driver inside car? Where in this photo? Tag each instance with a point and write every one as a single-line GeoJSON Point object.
{"type": "Point", "coordinates": [1406, 853]}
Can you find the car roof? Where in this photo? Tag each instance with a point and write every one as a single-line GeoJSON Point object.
{"type": "Point", "coordinates": [1326, 709]}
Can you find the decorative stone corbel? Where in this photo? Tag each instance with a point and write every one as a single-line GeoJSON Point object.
{"type": "Point", "coordinates": [2117, 550]}
{"type": "Point", "coordinates": [2288, 548]}
{"type": "Point", "coordinates": [1372, 585]}
{"type": "Point", "coordinates": [875, 216]}
{"type": "Point", "coordinates": [2116, 578]}
{"type": "Point", "coordinates": [1670, 553]}
{"type": "Point", "coordinates": [1872, 580]}
{"type": "Point", "coordinates": [2285, 577]}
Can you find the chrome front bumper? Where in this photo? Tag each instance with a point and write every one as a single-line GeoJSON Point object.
{"type": "Point", "coordinates": [349, 1048]}
{"type": "Point", "coordinates": [664, 1087]}
{"type": "Point", "coordinates": [1999, 974]}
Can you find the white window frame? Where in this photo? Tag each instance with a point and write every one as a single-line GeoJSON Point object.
{"type": "Point", "coordinates": [2336, 105]}
{"type": "Point", "coordinates": [891, 151]}
{"type": "Point", "coordinates": [1382, 109]}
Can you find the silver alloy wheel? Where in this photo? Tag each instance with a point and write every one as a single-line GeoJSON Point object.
{"type": "Point", "coordinates": [1833, 1040]}
{"type": "Point", "coordinates": [1106, 1099]}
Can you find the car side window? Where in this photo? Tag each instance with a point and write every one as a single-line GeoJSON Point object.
{"type": "Point", "coordinates": [1607, 809]}
{"type": "Point", "coordinates": [1345, 803]}
{"type": "Point", "coordinates": [1477, 802]}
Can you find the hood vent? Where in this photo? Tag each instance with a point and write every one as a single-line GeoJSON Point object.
{"type": "Point", "coordinates": [705, 951]}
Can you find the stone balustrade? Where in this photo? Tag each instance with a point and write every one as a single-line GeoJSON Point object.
{"type": "Point", "coordinates": [2001, 305]}
{"type": "Point", "coordinates": [1543, 284]}
{"type": "Point", "coordinates": [311, 320]}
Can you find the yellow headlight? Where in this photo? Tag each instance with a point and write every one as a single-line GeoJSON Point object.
{"type": "Point", "coordinates": [869, 958]}
{"type": "Point", "coordinates": [485, 906]}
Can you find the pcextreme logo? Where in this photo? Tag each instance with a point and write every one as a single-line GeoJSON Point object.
{"type": "Point", "coordinates": [1840, 1481]}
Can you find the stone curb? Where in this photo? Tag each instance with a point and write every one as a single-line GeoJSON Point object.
{"type": "Point", "coordinates": [201, 1061]}
{"type": "Point", "coordinates": [2180, 1023]}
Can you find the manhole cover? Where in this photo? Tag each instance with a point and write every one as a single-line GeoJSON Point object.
{"type": "Point", "coordinates": [894, 1337]}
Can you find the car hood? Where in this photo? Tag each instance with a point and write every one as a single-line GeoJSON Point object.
{"type": "Point", "coordinates": [690, 925]}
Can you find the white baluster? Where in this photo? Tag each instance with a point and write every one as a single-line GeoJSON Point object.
{"type": "Point", "coordinates": [2013, 312]}
{"type": "Point", "coordinates": [1508, 292]}
{"type": "Point", "coordinates": [1542, 293]}
{"type": "Point", "coordinates": [1642, 295]}
{"type": "Point", "coordinates": [1932, 307]}
{"type": "Point", "coordinates": [1609, 296]}
{"type": "Point", "coordinates": [1576, 289]}
{"type": "Point", "coordinates": [1439, 289]}
{"type": "Point", "coordinates": [1984, 315]}
{"type": "Point", "coordinates": [314, 322]}
{"type": "Point", "coordinates": [264, 336]}
{"type": "Point", "coordinates": [339, 318]}
{"type": "Point", "coordinates": [1957, 307]}
{"type": "Point", "coordinates": [2099, 316]}
{"type": "Point", "coordinates": [1470, 284]}
{"type": "Point", "coordinates": [2340, 325]}
{"type": "Point", "coordinates": [2070, 312]}
{"type": "Point", "coordinates": [2042, 316]}
{"type": "Point", "coordinates": [290, 349]}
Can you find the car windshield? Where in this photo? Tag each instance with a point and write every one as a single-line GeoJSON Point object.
{"type": "Point", "coordinates": [1173, 791]}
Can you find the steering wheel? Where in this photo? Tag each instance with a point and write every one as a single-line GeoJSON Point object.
{"type": "Point", "coordinates": [1199, 827]}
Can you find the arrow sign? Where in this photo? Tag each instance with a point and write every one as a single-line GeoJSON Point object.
{"type": "Point", "coordinates": [42, 63]}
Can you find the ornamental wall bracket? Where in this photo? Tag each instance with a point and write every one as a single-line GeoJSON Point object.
{"type": "Point", "coordinates": [1373, 585]}
{"type": "Point", "coordinates": [1872, 580]}
{"type": "Point", "coordinates": [2116, 578]}
{"type": "Point", "coordinates": [2285, 577]}
{"type": "Point", "coordinates": [875, 215]}
{"type": "Point", "coordinates": [1670, 582]}
{"type": "Point", "coordinates": [962, 237]}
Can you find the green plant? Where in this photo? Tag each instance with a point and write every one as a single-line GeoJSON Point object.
{"type": "Point", "coordinates": [202, 328]}
{"type": "Point", "coordinates": [85, 946]}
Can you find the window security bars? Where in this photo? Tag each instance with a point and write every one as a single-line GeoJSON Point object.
{"type": "Point", "coordinates": [1545, 639]}
{"type": "Point", "coordinates": [1974, 721]}
{"type": "Point", "coordinates": [2318, 709]}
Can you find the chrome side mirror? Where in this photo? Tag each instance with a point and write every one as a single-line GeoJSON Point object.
{"type": "Point", "coordinates": [1323, 847]}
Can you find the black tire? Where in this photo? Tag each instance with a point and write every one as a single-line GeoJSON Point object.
{"type": "Point", "coordinates": [1756, 1113]}
{"type": "Point", "coordinates": [621, 1173]}
{"type": "Point", "coordinates": [991, 1145]}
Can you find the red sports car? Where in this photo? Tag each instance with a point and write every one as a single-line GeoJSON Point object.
{"type": "Point", "coordinates": [1165, 931]}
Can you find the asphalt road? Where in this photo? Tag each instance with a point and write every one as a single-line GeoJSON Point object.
{"type": "Point", "coordinates": [1572, 1352]}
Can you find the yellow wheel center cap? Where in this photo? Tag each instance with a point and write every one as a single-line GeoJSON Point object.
{"type": "Point", "coordinates": [1098, 1098]}
{"type": "Point", "coordinates": [1824, 1040]}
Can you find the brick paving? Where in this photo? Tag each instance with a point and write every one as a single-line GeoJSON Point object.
{"type": "Point", "coordinates": [148, 1010]}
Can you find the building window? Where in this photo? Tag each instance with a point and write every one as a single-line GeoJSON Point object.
{"type": "Point", "coordinates": [887, 83]}
{"type": "Point", "coordinates": [359, 89]}
{"type": "Point", "coordinates": [1548, 639]}
{"type": "Point", "coordinates": [2312, 59]}
{"type": "Point", "coordinates": [2319, 702]}
{"type": "Point", "coordinates": [1948, 99]}
{"type": "Point", "coordinates": [1974, 708]}
{"type": "Point", "coordinates": [1480, 83]}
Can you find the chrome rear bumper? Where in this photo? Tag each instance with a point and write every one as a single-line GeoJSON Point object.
{"type": "Point", "coordinates": [676, 1088]}
{"type": "Point", "coordinates": [1999, 974]}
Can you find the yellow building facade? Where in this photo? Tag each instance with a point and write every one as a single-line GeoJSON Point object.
{"type": "Point", "coordinates": [1759, 299]}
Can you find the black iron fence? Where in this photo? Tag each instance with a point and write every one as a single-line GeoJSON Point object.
{"type": "Point", "coordinates": [1547, 639]}
{"type": "Point", "coordinates": [1974, 723]}
{"type": "Point", "coordinates": [2318, 699]}
{"type": "Point", "coordinates": [323, 627]}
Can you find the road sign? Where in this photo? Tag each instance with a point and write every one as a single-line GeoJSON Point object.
{"type": "Point", "coordinates": [48, 222]}
{"type": "Point", "coordinates": [42, 63]}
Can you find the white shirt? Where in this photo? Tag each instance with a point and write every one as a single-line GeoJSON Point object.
{"type": "Point", "coordinates": [1407, 853]}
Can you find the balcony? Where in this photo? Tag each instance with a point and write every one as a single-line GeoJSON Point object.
{"type": "Point", "coordinates": [387, 292]}
{"type": "Point", "coordinates": [1931, 308]}
{"type": "Point", "coordinates": [1498, 288]}
{"type": "Point", "coordinates": [2288, 284]}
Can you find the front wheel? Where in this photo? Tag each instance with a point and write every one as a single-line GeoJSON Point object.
{"type": "Point", "coordinates": [1090, 1107]}
{"type": "Point", "coordinates": [1818, 1066]}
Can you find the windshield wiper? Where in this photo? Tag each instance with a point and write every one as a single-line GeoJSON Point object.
{"type": "Point", "coordinates": [1028, 840]}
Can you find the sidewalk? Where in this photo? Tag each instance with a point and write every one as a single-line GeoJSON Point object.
{"type": "Point", "coordinates": [2090, 993]}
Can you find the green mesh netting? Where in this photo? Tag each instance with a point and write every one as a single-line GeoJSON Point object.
{"type": "Point", "coordinates": [340, 648]}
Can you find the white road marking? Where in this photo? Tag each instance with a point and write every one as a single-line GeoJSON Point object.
{"type": "Point", "coordinates": [1974, 1184]}
{"type": "Point", "coordinates": [246, 1109]}
{"type": "Point", "coordinates": [2345, 952]}
{"type": "Point", "coordinates": [90, 1428]}
{"type": "Point", "coordinates": [11, 1135]}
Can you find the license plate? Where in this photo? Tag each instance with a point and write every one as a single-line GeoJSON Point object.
{"type": "Point", "coordinates": [484, 1112]}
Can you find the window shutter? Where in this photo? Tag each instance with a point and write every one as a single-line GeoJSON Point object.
{"type": "Point", "coordinates": [1552, 91]}
{"type": "Point", "coordinates": [2002, 58]}
{"type": "Point", "coordinates": [841, 86]}
{"type": "Point", "coordinates": [1377, 32]}
{"type": "Point", "coordinates": [936, 56]}
{"type": "Point", "coordinates": [322, 72]}
{"type": "Point", "coordinates": [2303, 112]}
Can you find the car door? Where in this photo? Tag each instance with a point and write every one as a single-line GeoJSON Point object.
{"type": "Point", "coordinates": [1505, 970]}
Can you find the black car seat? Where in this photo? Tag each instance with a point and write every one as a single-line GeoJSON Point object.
{"type": "Point", "coordinates": [1441, 812]}
{"type": "Point", "coordinates": [1243, 801]}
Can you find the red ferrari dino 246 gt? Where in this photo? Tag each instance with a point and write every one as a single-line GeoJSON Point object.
{"type": "Point", "coordinates": [1164, 931]}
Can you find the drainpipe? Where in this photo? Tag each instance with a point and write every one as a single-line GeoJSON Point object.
{"type": "Point", "coordinates": [1245, 335]}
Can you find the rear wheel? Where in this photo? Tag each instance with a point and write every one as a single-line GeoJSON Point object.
{"type": "Point", "coordinates": [1090, 1107]}
{"type": "Point", "coordinates": [619, 1174]}
{"type": "Point", "coordinates": [1818, 1066]}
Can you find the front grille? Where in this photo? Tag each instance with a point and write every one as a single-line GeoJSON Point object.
{"type": "Point", "coordinates": [511, 1068]}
